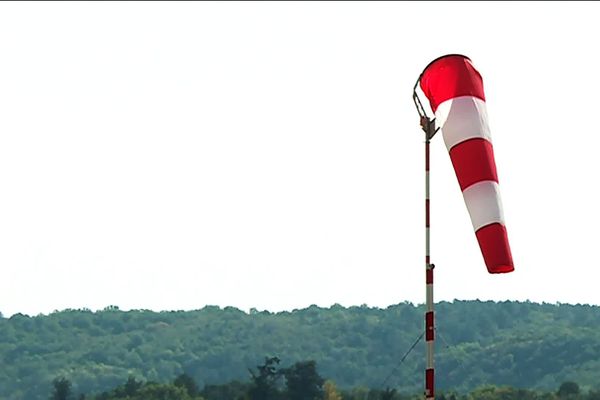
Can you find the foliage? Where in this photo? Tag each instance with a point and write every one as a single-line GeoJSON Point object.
{"type": "Point", "coordinates": [568, 389]}
{"type": "Point", "coordinates": [62, 389]}
{"type": "Point", "coordinates": [234, 390]}
{"type": "Point", "coordinates": [511, 344]}
{"type": "Point", "coordinates": [136, 390]}
{"type": "Point", "coordinates": [303, 381]}
{"type": "Point", "coordinates": [264, 381]}
{"type": "Point", "coordinates": [330, 392]}
{"type": "Point", "coordinates": [185, 381]}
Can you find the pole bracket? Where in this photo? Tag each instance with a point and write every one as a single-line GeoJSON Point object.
{"type": "Point", "coordinates": [427, 124]}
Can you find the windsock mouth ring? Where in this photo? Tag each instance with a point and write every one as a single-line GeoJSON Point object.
{"type": "Point", "coordinates": [416, 99]}
{"type": "Point", "coordinates": [501, 269]}
{"type": "Point", "coordinates": [450, 76]}
{"type": "Point", "coordinates": [438, 59]}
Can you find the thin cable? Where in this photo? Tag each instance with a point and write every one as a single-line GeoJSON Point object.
{"type": "Point", "coordinates": [459, 362]}
{"type": "Point", "coordinates": [442, 337]}
{"type": "Point", "coordinates": [395, 369]}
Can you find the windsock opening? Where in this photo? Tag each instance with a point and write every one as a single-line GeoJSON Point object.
{"type": "Point", "coordinates": [455, 92]}
{"type": "Point", "coordinates": [449, 77]}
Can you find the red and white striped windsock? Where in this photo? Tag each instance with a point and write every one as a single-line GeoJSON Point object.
{"type": "Point", "coordinates": [455, 92]}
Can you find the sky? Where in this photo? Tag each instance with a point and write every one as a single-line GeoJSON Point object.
{"type": "Point", "coordinates": [267, 155]}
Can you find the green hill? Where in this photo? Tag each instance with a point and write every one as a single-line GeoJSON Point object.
{"type": "Point", "coordinates": [519, 344]}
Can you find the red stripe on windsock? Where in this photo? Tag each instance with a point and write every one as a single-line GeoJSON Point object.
{"type": "Point", "coordinates": [449, 77]}
{"type": "Point", "coordinates": [473, 162]}
{"type": "Point", "coordinates": [493, 242]}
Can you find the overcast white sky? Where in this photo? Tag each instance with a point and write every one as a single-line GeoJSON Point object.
{"type": "Point", "coordinates": [173, 155]}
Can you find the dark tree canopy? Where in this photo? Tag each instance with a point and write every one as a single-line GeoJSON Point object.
{"type": "Point", "coordinates": [264, 380]}
{"type": "Point", "coordinates": [62, 389]}
{"type": "Point", "coordinates": [186, 381]}
{"type": "Point", "coordinates": [568, 388]}
{"type": "Point", "coordinates": [303, 382]}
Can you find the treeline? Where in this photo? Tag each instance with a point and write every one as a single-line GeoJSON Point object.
{"type": "Point", "coordinates": [510, 344]}
{"type": "Point", "coordinates": [300, 381]}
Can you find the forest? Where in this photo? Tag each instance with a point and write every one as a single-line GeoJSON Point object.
{"type": "Point", "coordinates": [302, 382]}
{"type": "Point", "coordinates": [485, 350]}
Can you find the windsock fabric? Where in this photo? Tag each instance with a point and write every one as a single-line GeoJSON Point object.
{"type": "Point", "coordinates": [454, 89]}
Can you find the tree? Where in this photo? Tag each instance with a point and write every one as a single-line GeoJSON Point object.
{"type": "Point", "coordinates": [228, 391]}
{"type": "Point", "coordinates": [567, 389]}
{"type": "Point", "coordinates": [62, 389]}
{"type": "Point", "coordinates": [156, 391]}
{"type": "Point", "coordinates": [303, 382]}
{"type": "Point", "coordinates": [388, 394]}
{"type": "Point", "coordinates": [131, 386]}
{"type": "Point", "coordinates": [359, 393]}
{"type": "Point", "coordinates": [593, 395]}
{"type": "Point", "coordinates": [185, 381]}
{"type": "Point", "coordinates": [264, 381]}
{"type": "Point", "coordinates": [330, 391]}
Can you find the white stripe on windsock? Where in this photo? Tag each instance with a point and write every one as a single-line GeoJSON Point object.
{"type": "Point", "coordinates": [484, 204]}
{"type": "Point", "coordinates": [463, 118]}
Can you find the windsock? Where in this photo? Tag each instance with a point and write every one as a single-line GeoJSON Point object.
{"type": "Point", "coordinates": [454, 89]}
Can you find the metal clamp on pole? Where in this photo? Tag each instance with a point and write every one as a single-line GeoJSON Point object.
{"type": "Point", "coordinates": [427, 124]}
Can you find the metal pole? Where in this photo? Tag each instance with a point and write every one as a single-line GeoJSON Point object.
{"type": "Point", "coordinates": [428, 126]}
{"type": "Point", "coordinates": [429, 313]}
